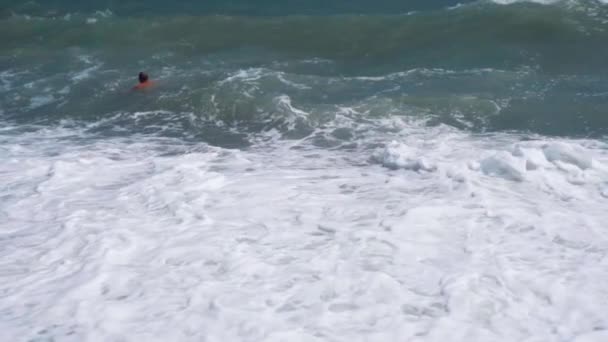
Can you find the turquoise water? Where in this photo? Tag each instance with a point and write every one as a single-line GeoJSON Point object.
{"type": "Point", "coordinates": [478, 66]}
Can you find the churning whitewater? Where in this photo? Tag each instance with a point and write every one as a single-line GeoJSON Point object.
{"type": "Point", "coordinates": [440, 235]}
{"type": "Point", "coordinates": [328, 171]}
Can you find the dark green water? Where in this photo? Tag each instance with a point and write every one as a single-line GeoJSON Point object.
{"type": "Point", "coordinates": [228, 69]}
{"type": "Point", "coordinates": [234, 7]}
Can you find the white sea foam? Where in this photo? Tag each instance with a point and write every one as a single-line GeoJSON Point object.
{"type": "Point", "coordinates": [245, 75]}
{"type": "Point", "coordinates": [41, 100]}
{"type": "Point", "coordinates": [5, 80]}
{"type": "Point", "coordinates": [504, 165]}
{"type": "Point", "coordinates": [91, 66]}
{"type": "Point", "coordinates": [155, 240]}
{"type": "Point", "coordinates": [288, 111]}
{"type": "Point", "coordinates": [544, 2]}
{"type": "Point", "coordinates": [401, 156]}
{"type": "Point", "coordinates": [569, 154]}
{"type": "Point", "coordinates": [508, 2]}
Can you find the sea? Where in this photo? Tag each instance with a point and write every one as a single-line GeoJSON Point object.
{"type": "Point", "coordinates": [320, 170]}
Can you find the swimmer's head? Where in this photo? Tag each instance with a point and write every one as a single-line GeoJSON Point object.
{"type": "Point", "coordinates": [143, 77]}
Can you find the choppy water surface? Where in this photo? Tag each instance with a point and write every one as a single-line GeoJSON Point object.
{"type": "Point", "coordinates": [306, 172]}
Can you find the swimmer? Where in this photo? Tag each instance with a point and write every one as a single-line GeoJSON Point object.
{"type": "Point", "coordinates": [144, 82]}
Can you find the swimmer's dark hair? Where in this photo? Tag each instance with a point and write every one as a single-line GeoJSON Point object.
{"type": "Point", "coordinates": [143, 77]}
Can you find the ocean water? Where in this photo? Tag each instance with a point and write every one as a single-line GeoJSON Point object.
{"type": "Point", "coordinates": [304, 171]}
